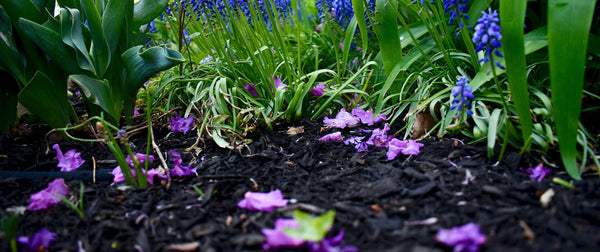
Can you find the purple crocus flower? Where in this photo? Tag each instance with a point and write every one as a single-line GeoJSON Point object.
{"type": "Point", "coordinates": [538, 172]}
{"type": "Point", "coordinates": [47, 197]}
{"type": "Point", "coordinates": [319, 89]}
{"type": "Point", "coordinates": [256, 201]}
{"type": "Point", "coordinates": [40, 241]}
{"type": "Point", "coordinates": [379, 137]}
{"type": "Point", "coordinates": [69, 161]}
{"type": "Point", "coordinates": [331, 245]}
{"type": "Point", "coordinates": [368, 117]}
{"type": "Point", "coordinates": [179, 124]}
{"type": "Point", "coordinates": [464, 238]}
{"type": "Point", "coordinates": [180, 170]}
{"type": "Point", "coordinates": [358, 142]}
{"type": "Point", "coordinates": [341, 120]}
{"type": "Point", "coordinates": [276, 238]}
{"type": "Point", "coordinates": [336, 136]}
{"type": "Point", "coordinates": [251, 88]}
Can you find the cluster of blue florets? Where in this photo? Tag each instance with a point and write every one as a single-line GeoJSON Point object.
{"type": "Point", "coordinates": [340, 10]}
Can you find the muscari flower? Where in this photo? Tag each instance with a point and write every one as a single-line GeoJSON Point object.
{"type": "Point", "coordinates": [487, 36]}
{"type": "Point", "coordinates": [336, 136]}
{"type": "Point", "coordinates": [276, 238]}
{"type": "Point", "coordinates": [379, 137]}
{"type": "Point", "coordinates": [463, 94]}
{"type": "Point", "coordinates": [368, 117]}
{"type": "Point", "coordinates": [538, 172]}
{"type": "Point", "coordinates": [47, 197]}
{"type": "Point", "coordinates": [457, 10]}
{"type": "Point", "coordinates": [251, 88]}
{"type": "Point", "coordinates": [40, 241]}
{"type": "Point", "coordinates": [463, 238]}
{"type": "Point", "coordinates": [341, 120]}
{"type": "Point", "coordinates": [409, 148]}
{"type": "Point", "coordinates": [69, 161]}
{"type": "Point", "coordinates": [180, 170]}
{"type": "Point", "coordinates": [319, 89]}
{"type": "Point", "coordinates": [255, 201]}
{"type": "Point", "coordinates": [179, 124]}
{"type": "Point", "coordinates": [332, 244]}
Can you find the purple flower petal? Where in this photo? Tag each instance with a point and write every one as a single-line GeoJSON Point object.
{"type": "Point", "coordinates": [141, 157]}
{"type": "Point", "coordinates": [179, 124]}
{"type": "Point", "coordinates": [251, 88]}
{"type": "Point", "coordinates": [275, 238]}
{"type": "Point", "coordinates": [336, 136]}
{"type": "Point", "coordinates": [331, 245]}
{"type": "Point", "coordinates": [358, 142]}
{"type": "Point", "coordinates": [40, 241]}
{"type": "Point", "coordinates": [47, 197]}
{"type": "Point", "coordinates": [379, 137]}
{"type": "Point", "coordinates": [69, 161]}
{"type": "Point", "coordinates": [256, 201]}
{"type": "Point", "coordinates": [412, 148]}
{"type": "Point", "coordinates": [538, 172]}
{"type": "Point", "coordinates": [463, 238]}
{"type": "Point", "coordinates": [319, 89]}
{"type": "Point", "coordinates": [395, 147]}
{"type": "Point", "coordinates": [368, 117]}
{"type": "Point", "coordinates": [342, 119]}
{"type": "Point", "coordinates": [150, 175]}
{"type": "Point", "coordinates": [180, 170]}
{"type": "Point", "coordinates": [136, 112]}
{"type": "Point", "coordinates": [279, 83]}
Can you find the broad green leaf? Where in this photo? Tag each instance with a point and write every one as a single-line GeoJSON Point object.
{"type": "Point", "coordinates": [113, 21]}
{"type": "Point", "coordinates": [100, 50]}
{"type": "Point", "coordinates": [51, 43]}
{"type": "Point", "coordinates": [145, 11]}
{"type": "Point", "coordinates": [359, 13]}
{"type": "Point", "coordinates": [140, 65]}
{"type": "Point", "coordinates": [493, 127]}
{"type": "Point", "coordinates": [22, 9]}
{"type": "Point", "coordinates": [8, 104]}
{"type": "Point", "coordinates": [47, 100]}
{"type": "Point", "coordinates": [72, 35]}
{"type": "Point", "coordinates": [97, 92]}
{"type": "Point", "coordinates": [512, 17]}
{"type": "Point", "coordinates": [569, 24]}
{"type": "Point", "coordinates": [311, 229]}
{"type": "Point", "coordinates": [386, 28]}
{"type": "Point", "coordinates": [475, 11]}
{"type": "Point", "coordinates": [347, 43]}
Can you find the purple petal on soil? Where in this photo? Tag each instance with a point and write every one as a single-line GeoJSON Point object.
{"type": "Point", "coordinates": [153, 173]}
{"type": "Point", "coordinates": [463, 238]}
{"type": "Point", "coordinates": [395, 147]}
{"type": "Point", "coordinates": [336, 136]}
{"type": "Point", "coordinates": [319, 89]}
{"type": "Point", "coordinates": [251, 88]}
{"type": "Point", "coordinates": [358, 142]}
{"type": "Point", "coordinates": [379, 137]}
{"type": "Point", "coordinates": [342, 119]}
{"type": "Point", "coordinates": [180, 170]}
{"type": "Point", "coordinates": [141, 157]}
{"type": "Point", "coordinates": [179, 124]}
{"type": "Point", "coordinates": [47, 197]}
{"type": "Point", "coordinates": [40, 241]}
{"type": "Point", "coordinates": [538, 172]}
{"type": "Point", "coordinates": [150, 175]}
{"type": "Point", "coordinates": [275, 238]}
{"type": "Point", "coordinates": [255, 201]}
{"type": "Point", "coordinates": [331, 245]}
{"type": "Point", "coordinates": [69, 161]}
{"type": "Point", "coordinates": [368, 117]}
{"type": "Point", "coordinates": [412, 148]}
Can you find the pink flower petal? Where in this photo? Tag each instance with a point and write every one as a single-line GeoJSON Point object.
{"type": "Point", "coordinates": [394, 148]}
{"type": "Point", "coordinates": [336, 136]}
{"type": "Point", "coordinates": [255, 201]}
{"type": "Point", "coordinates": [341, 120]}
{"type": "Point", "coordinates": [47, 197]}
{"type": "Point", "coordinates": [412, 148]}
{"type": "Point", "coordinates": [463, 238]}
{"type": "Point", "coordinates": [275, 238]}
{"type": "Point", "coordinates": [368, 117]}
{"type": "Point", "coordinates": [40, 241]}
{"type": "Point", "coordinates": [69, 161]}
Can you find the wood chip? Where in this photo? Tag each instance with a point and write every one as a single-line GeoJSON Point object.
{"type": "Point", "coordinates": [191, 246]}
{"type": "Point", "coordinates": [547, 197]}
{"type": "Point", "coordinates": [295, 130]}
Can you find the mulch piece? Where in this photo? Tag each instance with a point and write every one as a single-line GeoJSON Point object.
{"type": "Point", "coordinates": [379, 204]}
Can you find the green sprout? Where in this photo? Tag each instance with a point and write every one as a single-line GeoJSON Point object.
{"type": "Point", "coordinates": [9, 227]}
{"type": "Point", "coordinates": [199, 191]}
{"type": "Point", "coordinates": [311, 229]}
{"type": "Point", "coordinates": [78, 207]}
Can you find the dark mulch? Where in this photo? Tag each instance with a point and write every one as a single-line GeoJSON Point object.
{"type": "Point", "coordinates": [378, 203]}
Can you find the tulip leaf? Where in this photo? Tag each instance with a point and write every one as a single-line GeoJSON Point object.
{"type": "Point", "coordinates": [97, 92]}
{"type": "Point", "coordinates": [113, 22]}
{"type": "Point", "coordinates": [47, 100]}
{"type": "Point", "coordinates": [145, 11]}
{"type": "Point", "coordinates": [386, 28]}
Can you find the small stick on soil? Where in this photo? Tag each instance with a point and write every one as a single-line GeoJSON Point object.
{"type": "Point", "coordinates": [162, 159]}
{"type": "Point", "coordinates": [94, 169]}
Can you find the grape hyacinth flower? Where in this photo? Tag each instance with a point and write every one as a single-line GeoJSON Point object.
{"type": "Point", "coordinates": [47, 197]}
{"type": "Point", "coordinates": [180, 170]}
{"type": "Point", "coordinates": [69, 161]}
{"type": "Point", "coordinates": [341, 120]}
{"type": "Point", "coordinates": [319, 89]}
{"type": "Point", "coordinates": [464, 238]}
{"type": "Point", "coordinates": [179, 124]}
{"type": "Point", "coordinates": [331, 244]}
{"type": "Point", "coordinates": [40, 241]}
{"type": "Point", "coordinates": [255, 201]}
{"type": "Point", "coordinates": [538, 172]}
{"type": "Point", "coordinates": [463, 94]}
{"type": "Point", "coordinates": [251, 89]}
{"type": "Point", "coordinates": [487, 36]}
{"type": "Point", "coordinates": [336, 136]}
{"type": "Point", "coordinates": [457, 10]}
{"type": "Point", "coordinates": [276, 238]}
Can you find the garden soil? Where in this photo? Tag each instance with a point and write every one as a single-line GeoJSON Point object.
{"type": "Point", "coordinates": [381, 205]}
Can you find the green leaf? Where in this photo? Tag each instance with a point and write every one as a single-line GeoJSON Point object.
{"type": "Point", "coordinates": [143, 64]}
{"type": "Point", "coordinates": [47, 100]}
{"type": "Point", "coordinates": [359, 13]}
{"type": "Point", "coordinates": [512, 17]}
{"type": "Point", "coordinates": [311, 229]}
{"type": "Point", "coordinates": [145, 11]}
{"type": "Point", "coordinates": [8, 104]}
{"type": "Point", "coordinates": [493, 128]}
{"type": "Point", "coordinates": [569, 24]}
{"type": "Point", "coordinates": [113, 21]}
{"type": "Point", "coordinates": [97, 92]}
{"type": "Point", "coordinates": [72, 35]}
{"type": "Point", "coordinates": [100, 49]}
{"type": "Point", "coordinates": [22, 9]}
{"type": "Point", "coordinates": [386, 28]}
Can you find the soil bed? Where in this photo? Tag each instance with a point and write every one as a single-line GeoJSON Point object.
{"type": "Point", "coordinates": [378, 203]}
